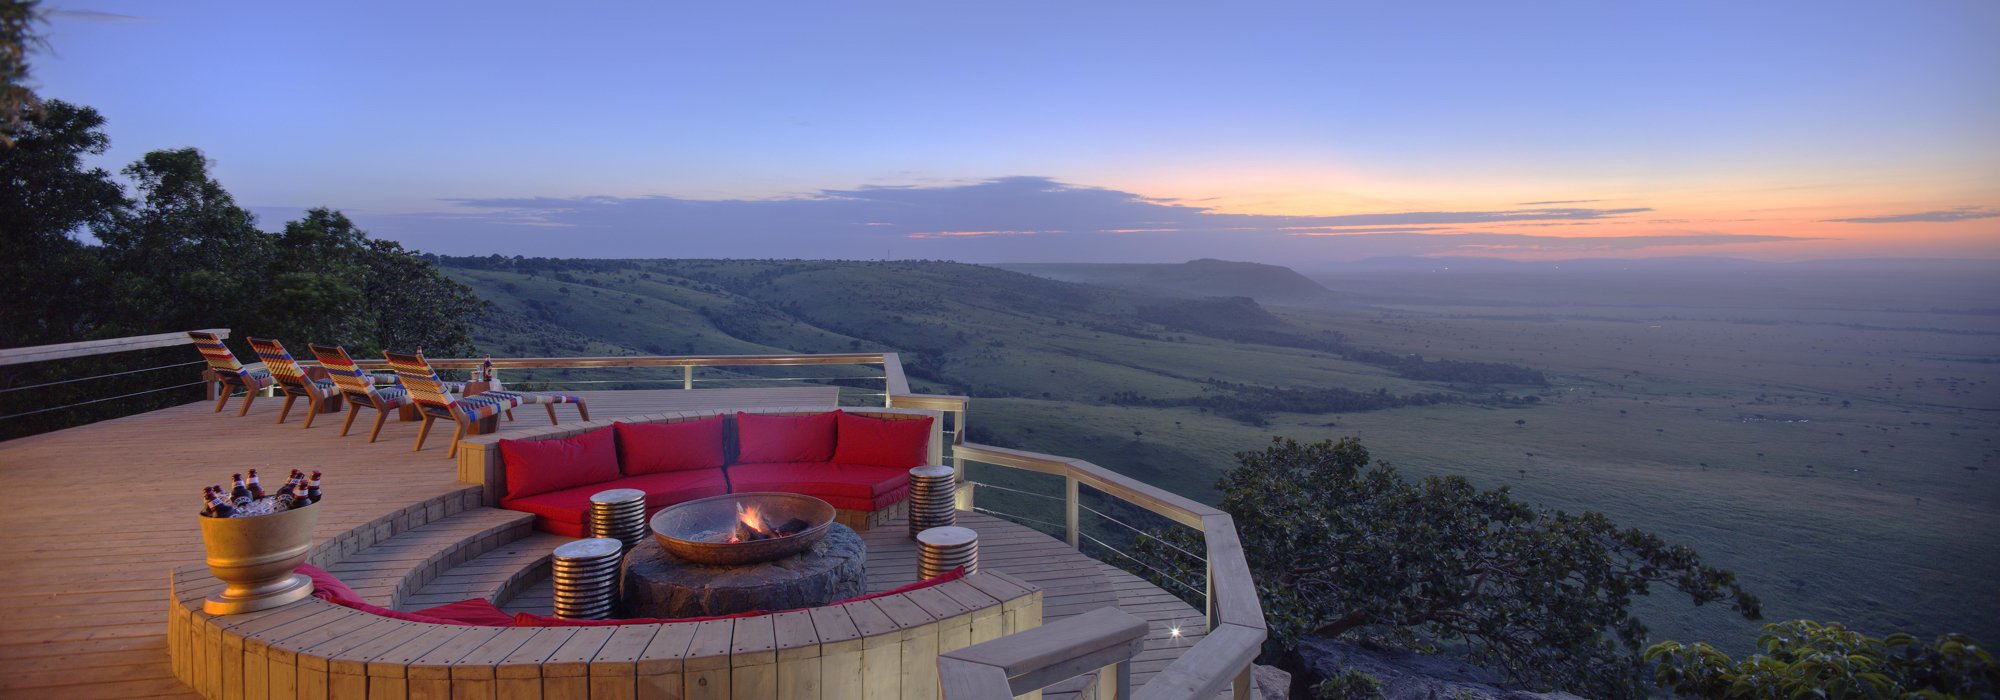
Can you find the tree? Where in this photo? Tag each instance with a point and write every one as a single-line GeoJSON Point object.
{"type": "Point", "coordinates": [184, 256]}
{"type": "Point", "coordinates": [1340, 545]}
{"type": "Point", "coordinates": [1803, 658]}
{"type": "Point", "coordinates": [17, 35]}
{"type": "Point", "coordinates": [48, 197]}
{"type": "Point", "coordinates": [187, 256]}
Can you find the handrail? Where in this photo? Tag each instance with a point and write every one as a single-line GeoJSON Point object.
{"type": "Point", "coordinates": [86, 348]}
{"type": "Point", "coordinates": [1033, 659]}
{"type": "Point", "coordinates": [1236, 628]}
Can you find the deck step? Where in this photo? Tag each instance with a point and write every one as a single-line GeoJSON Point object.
{"type": "Point", "coordinates": [496, 576]}
{"type": "Point", "coordinates": [392, 569]}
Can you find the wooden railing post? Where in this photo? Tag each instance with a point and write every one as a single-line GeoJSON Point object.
{"type": "Point", "coordinates": [687, 377]}
{"type": "Point", "coordinates": [1069, 512]}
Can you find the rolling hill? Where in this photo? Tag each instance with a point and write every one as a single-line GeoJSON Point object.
{"type": "Point", "coordinates": [1207, 277]}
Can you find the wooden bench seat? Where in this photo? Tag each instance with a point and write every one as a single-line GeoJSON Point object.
{"type": "Point", "coordinates": [881, 648]}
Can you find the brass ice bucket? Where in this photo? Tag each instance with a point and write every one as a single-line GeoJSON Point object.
{"type": "Point", "coordinates": [256, 556]}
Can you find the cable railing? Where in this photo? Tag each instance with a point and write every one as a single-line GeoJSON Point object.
{"type": "Point", "coordinates": [1071, 647]}
{"type": "Point", "coordinates": [50, 387]}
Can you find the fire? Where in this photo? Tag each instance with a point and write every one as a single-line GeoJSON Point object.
{"type": "Point", "coordinates": [750, 525]}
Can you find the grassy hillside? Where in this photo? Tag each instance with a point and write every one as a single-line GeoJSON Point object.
{"type": "Point", "coordinates": [1840, 459]}
{"type": "Point", "coordinates": [1207, 277]}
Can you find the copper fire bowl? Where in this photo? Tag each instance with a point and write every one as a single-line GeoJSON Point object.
{"type": "Point", "coordinates": [698, 530]}
{"type": "Point", "coordinates": [255, 558]}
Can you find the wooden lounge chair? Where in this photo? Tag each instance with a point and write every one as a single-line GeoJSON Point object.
{"type": "Point", "coordinates": [466, 411]}
{"type": "Point", "coordinates": [295, 381]}
{"type": "Point", "coordinates": [358, 385]}
{"type": "Point", "coordinates": [229, 373]}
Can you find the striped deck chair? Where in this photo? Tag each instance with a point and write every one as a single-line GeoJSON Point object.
{"type": "Point", "coordinates": [230, 373]}
{"type": "Point", "coordinates": [293, 380]}
{"type": "Point", "coordinates": [432, 398]}
{"type": "Point", "coordinates": [359, 387]}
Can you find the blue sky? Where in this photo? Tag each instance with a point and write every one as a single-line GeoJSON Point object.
{"type": "Point", "coordinates": [1055, 131]}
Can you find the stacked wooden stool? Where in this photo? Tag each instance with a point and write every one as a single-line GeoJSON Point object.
{"type": "Point", "coordinates": [619, 514]}
{"type": "Point", "coordinates": [933, 502]}
{"type": "Point", "coordinates": [586, 576]}
{"type": "Point", "coordinates": [941, 549]}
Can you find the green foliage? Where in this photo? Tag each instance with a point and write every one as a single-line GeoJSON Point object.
{"type": "Point", "coordinates": [49, 197]}
{"type": "Point", "coordinates": [1807, 659]}
{"type": "Point", "coordinates": [1352, 685]}
{"type": "Point", "coordinates": [180, 255]}
{"type": "Point", "coordinates": [17, 34]}
{"type": "Point", "coordinates": [1339, 544]}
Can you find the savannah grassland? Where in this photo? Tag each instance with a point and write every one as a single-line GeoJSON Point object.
{"type": "Point", "coordinates": [1707, 407]}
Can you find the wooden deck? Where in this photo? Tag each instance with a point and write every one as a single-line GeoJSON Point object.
{"type": "Point", "coordinates": [97, 515]}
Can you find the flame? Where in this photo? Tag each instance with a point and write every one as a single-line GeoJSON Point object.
{"type": "Point", "coordinates": [751, 518]}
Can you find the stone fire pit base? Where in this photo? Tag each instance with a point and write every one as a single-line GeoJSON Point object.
{"type": "Point", "coordinates": [658, 584]}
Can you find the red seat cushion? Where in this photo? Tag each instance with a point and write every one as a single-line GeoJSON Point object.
{"type": "Point", "coordinates": [566, 512]}
{"type": "Point", "coordinates": [542, 466]}
{"type": "Point", "coordinates": [882, 442]}
{"type": "Point", "coordinates": [647, 448]}
{"type": "Point", "coordinates": [847, 486]}
{"type": "Point", "coordinates": [769, 439]}
{"type": "Point", "coordinates": [668, 488]}
{"type": "Point", "coordinates": [471, 611]}
{"type": "Point", "coordinates": [533, 620]}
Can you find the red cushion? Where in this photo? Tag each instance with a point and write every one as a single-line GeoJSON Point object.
{"type": "Point", "coordinates": [472, 611]}
{"type": "Point", "coordinates": [541, 466]}
{"type": "Point", "coordinates": [846, 486]}
{"type": "Point", "coordinates": [668, 488]}
{"type": "Point", "coordinates": [565, 512]}
{"type": "Point", "coordinates": [533, 620]}
{"type": "Point", "coordinates": [883, 442]}
{"type": "Point", "coordinates": [763, 439]}
{"type": "Point", "coordinates": [328, 587]}
{"type": "Point", "coordinates": [647, 448]}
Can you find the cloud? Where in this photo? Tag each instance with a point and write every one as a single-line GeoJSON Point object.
{"type": "Point", "coordinates": [1559, 201]}
{"type": "Point", "coordinates": [1488, 243]}
{"type": "Point", "coordinates": [1017, 218]}
{"type": "Point", "coordinates": [1941, 215]}
{"type": "Point", "coordinates": [100, 17]}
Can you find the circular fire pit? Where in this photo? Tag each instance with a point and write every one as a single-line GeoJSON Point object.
{"type": "Point", "coordinates": [658, 584]}
{"type": "Point", "coordinates": [742, 528]}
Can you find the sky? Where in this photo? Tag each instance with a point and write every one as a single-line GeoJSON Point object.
{"type": "Point", "coordinates": [1066, 131]}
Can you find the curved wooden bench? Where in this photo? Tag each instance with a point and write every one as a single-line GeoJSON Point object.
{"type": "Point", "coordinates": [881, 648]}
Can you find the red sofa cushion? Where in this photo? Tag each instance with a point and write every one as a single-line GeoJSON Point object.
{"type": "Point", "coordinates": [566, 512]}
{"type": "Point", "coordinates": [542, 466]}
{"type": "Point", "coordinates": [533, 620]}
{"type": "Point", "coordinates": [471, 611]}
{"type": "Point", "coordinates": [882, 442]}
{"type": "Point", "coordinates": [766, 439]}
{"type": "Point", "coordinates": [846, 486]}
{"type": "Point", "coordinates": [648, 448]}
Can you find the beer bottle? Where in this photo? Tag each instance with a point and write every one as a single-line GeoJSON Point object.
{"type": "Point", "coordinates": [238, 493]}
{"type": "Point", "coordinates": [312, 488]}
{"type": "Point", "coordinates": [287, 494]}
{"type": "Point", "coordinates": [220, 508]}
{"type": "Point", "coordinates": [207, 497]}
{"type": "Point", "coordinates": [256, 487]}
